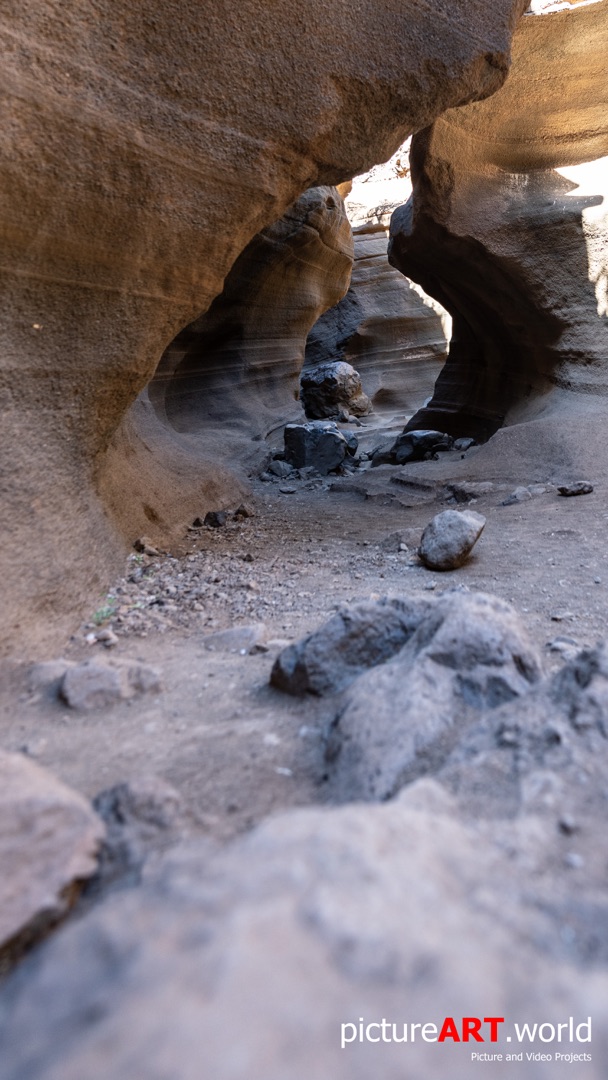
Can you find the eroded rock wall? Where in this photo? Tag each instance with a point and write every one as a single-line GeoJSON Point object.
{"type": "Point", "coordinates": [507, 228]}
{"type": "Point", "coordinates": [140, 153]}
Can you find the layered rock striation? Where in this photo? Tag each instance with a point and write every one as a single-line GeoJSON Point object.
{"type": "Point", "coordinates": [385, 327]}
{"type": "Point", "coordinates": [238, 365]}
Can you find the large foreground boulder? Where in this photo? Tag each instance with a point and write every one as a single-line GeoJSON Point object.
{"type": "Point", "coordinates": [400, 720]}
{"type": "Point", "coordinates": [49, 838]}
{"type": "Point", "coordinates": [258, 962]}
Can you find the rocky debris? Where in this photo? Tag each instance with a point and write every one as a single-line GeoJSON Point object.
{"type": "Point", "coordinates": [49, 836]}
{"type": "Point", "coordinates": [463, 444]}
{"type": "Point", "coordinates": [319, 444]}
{"type": "Point", "coordinates": [333, 389]}
{"type": "Point", "coordinates": [519, 495]}
{"type": "Point", "coordinates": [95, 684]}
{"type": "Point", "coordinates": [145, 546]}
{"type": "Point", "coordinates": [286, 937]}
{"type": "Point", "coordinates": [449, 539]}
{"type": "Point", "coordinates": [412, 446]}
{"type": "Point", "coordinates": [354, 639]}
{"type": "Point", "coordinates": [280, 468]}
{"type": "Point", "coordinates": [581, 487]}
{"type": "Point", "coordinates": [395, 542]}
{"type": "Point", "coordinates": [142, 817]}
{"type": "Point", "coordinates": [215, 519]}
{"type": "Point", "coordinates": [239, 639]}
{"type": "Point", "coordinates": [469, 653]}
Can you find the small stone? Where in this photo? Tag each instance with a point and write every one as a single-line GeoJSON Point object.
{"type": "Point", "coordinates": [108, 638]}
{"type": "Point", "coordinates": [197, 523]}
{"type": "Point", "coordinates": [93, 685]}
{"type": "Point", "coordinates": [464, 444]}
{"type": "Point", "coordinates": [236, 639]}
{"type": "Point", "coordinates": [144, 545]}
{"type": "Point", "coordinates": [521, 494]}
{"type": "Point", "coordinates": [245, 510]}
{"type": "Point", "coordinates": [574, 860]}
{"type": "Point", "coordinates": [449, 539]}
{"type": "Point", "coordinates": [280, 469]}
{"type": "Point", "coordinates": [567, 825]}
{"type": "Point", "coordinates": [215, 519]}
{"type": "Point", "coordinates": [581, 487]}
{"type": "Point", "coordinates": [287, 490]}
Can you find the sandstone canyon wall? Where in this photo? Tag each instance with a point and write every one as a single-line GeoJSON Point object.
{"type": "Point", "coordinates": [508, 228]}
{"type": "Point", "coordinates": [142, 148]}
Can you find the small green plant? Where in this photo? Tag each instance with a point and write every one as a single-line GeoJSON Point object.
{"type": "Point", "coordinates": [105, 612]}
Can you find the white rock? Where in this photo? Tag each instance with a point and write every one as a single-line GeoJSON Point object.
{"type": "Point", "coordinates": [449, 538]}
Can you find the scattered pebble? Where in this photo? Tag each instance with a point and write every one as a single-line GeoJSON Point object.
{"type": "Point", "coordinates": [145, 546]}
{"type": "Point", "coordinates": [521, 494]}
{"type": "Point", "coordinates": [581, 487]}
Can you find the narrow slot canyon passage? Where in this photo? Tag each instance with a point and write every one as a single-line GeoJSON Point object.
{"type": "Point", "coordinates": [304, 711]}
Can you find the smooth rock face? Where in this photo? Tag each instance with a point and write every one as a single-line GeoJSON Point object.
{"type": "Point", "coordinates": [319, 444]}
{"type": "Point", "coordinates": [519, 263]}
{"type": "Point", "coordinates": [469, 653]}
{"type": "Point", "coordinates": [449, 539]}
{"type": "Point", "coordinates": [93, 684]}
{"type": "Point", "coordinates": [354, 639]}
{"type": "Point", "coordinates": [385, 327]}
{"type": "Point", "coordinates": [331, 390]}
{"type": "Point", "coordinates": [135, 166]}
{"type": "Point", "coordinates": [49, 837]}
